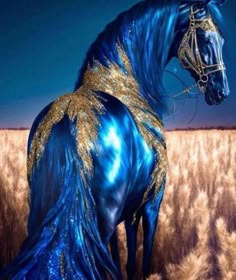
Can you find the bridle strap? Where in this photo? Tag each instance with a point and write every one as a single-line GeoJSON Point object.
{"type": "Point", "coordinates": [189, 54]}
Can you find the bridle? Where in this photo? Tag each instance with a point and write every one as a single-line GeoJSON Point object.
{"type": "Point", "coordinates": [189, 54]}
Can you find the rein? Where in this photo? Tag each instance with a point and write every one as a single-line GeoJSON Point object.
{"type": "Point", "coordinates": [189, 54]}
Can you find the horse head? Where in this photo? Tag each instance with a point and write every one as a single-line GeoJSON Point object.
{"type": "Point", "coordinates": [200, 47]}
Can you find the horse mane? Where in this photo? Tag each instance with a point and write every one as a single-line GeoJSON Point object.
{"type": "Point", "coordinates": [146, 32]}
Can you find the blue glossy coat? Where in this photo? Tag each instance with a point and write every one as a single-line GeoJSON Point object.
{"type": "Point", "coordinates": [73, 215]}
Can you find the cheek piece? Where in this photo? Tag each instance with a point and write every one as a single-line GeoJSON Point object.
{"type": "Point", "coordinates": [189, 54]}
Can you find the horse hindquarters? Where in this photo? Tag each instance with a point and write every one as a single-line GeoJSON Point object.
{"type": "Point", "coordinates": [93, 205]}
{"type": "Point", "coordinates": [64, 239]}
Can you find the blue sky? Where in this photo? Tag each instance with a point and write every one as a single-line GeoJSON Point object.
{"type": "Point", "coordinates": [43, 44]}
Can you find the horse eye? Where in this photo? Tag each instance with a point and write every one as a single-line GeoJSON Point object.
{"type": "Point", "coordinates": [210, 40]}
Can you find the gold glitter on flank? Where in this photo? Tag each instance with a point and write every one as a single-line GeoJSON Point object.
{"type": "Point", "coordinates": [83, 108]}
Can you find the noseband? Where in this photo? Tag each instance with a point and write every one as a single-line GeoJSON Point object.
{"type": "Point", "coordinates": [189, 54]}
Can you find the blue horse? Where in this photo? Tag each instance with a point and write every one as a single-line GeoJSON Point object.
{"type": "Point", "coordinates": [97, 156]}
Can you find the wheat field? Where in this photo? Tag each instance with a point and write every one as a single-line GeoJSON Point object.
{"type": "Point", "coordinates": [196, 234]}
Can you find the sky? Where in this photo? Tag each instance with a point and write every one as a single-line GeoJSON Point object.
{"type": "Point", "coordinates": [43, 44]}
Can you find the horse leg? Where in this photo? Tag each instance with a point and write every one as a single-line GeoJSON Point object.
{"type": "Point", "coordinates": [131, 233]}
{"type": "Point", "coordinates": [150, 218]}
{"type": "Point", "coordinates": [115, 252]}
{"type": "Point", "coordinates": [108, 224]}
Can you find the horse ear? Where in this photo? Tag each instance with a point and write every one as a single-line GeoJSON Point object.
{"type": "Point", "coordinates": [218, 2]}
{"type": "Point", "coordinates": [197, 1]}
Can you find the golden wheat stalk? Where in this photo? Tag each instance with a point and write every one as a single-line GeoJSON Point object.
{"type": "Point", "coordinates": [196, 234]}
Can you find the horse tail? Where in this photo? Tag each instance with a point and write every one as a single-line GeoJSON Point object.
{"type": "Point", "coordinates": [63, 235]}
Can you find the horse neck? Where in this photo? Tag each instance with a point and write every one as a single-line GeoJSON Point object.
{"type": "Point", "coordinates": [146, 43]}
{"type": "Point", "coordinates": [116, 81]}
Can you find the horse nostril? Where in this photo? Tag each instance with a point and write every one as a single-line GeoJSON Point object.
{"type": "Point", "coordinates": [226, 93]}
{"type": "Point", "coordinates": [222, 94]}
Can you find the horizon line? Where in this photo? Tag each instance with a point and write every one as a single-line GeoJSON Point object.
{"type": "Point", "coordinates": [172, 129]}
